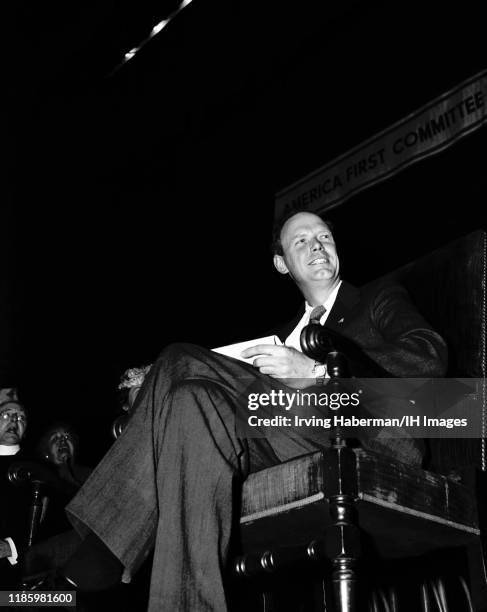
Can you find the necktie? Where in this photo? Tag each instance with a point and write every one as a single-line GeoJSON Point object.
{"type": "Point", "coordinates": [316, 314]}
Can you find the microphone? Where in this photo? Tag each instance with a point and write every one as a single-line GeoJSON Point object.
{"type": "Point", "coordinates": [316, 342]}
{"type": "Point", "coordinates": [319, 342]}
{"type": "Point", "coordinates": [119, 425]}
{"type": "Point", "coordinates": [22, 472]}
{"type": "Point", "coordinates": [336, 365]}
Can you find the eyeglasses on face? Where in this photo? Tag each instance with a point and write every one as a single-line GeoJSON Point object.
{"type": "Point", "coordinates": [11, 415]}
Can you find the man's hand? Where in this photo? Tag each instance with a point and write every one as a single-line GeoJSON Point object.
{"type": "Point", "coordinates": [5, 550]}
{"type": "Point", "coordinates": [282, 362]}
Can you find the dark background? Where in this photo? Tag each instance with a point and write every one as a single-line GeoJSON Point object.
{"type": "Point", "coordinates": [139, 200]}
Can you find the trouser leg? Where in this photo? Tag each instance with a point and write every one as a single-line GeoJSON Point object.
{"type": "Point", "coordinates": [200, 463]}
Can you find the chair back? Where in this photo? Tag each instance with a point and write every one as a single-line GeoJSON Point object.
{"type": "Point", "coordinates": [448, 288]}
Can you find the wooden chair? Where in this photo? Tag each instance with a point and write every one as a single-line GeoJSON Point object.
{"type": "Point", "coordinates": [339, 505]}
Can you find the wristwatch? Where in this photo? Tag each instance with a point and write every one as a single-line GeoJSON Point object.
{"type": "Point", "coordinates": [319, 372]}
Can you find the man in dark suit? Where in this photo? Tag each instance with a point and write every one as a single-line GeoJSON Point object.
{"type": "Point", "coordinates": [169, 482]}
{"type": "Point", "coordinates": [14, 505]}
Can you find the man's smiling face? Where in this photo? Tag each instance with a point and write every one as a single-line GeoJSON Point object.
{"type": "Point", "coordinates": [13, 422]}
{"type": "Point", "coordinates": [309, 251]}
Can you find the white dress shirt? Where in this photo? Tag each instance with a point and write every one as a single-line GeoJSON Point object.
{"type": "Point", "coordinates": [293, 339]}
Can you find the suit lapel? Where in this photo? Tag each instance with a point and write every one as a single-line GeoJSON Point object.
{"type": "Point", "coordinates": [347, 298]}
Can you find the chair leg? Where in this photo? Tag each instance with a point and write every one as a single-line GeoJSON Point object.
{"type": "Point", "coordinates": [477, 570]}
{"type": "Point", "coordinates": [344, 584]}
{"type": "Point", "coordinates": [426, 605]}
{"type": "Point", "coordinates": [268, 602]}
{"type": "Point", "coordinates": [342, 541]}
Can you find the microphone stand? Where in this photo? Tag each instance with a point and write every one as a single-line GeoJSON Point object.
{"type": "Point", "coordinates": [35, 511]}
{"type": "Point", "coordinates": [22, 473]}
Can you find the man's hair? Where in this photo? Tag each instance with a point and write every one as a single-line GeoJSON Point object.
{"type": "Point", "coordinates": [276, 245]}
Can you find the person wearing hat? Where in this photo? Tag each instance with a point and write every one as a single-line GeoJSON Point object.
{"type": "Point", "coordinates": [14, 500]}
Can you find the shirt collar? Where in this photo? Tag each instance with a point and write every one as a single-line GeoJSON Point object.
{"type": "Point", "coordinates": [328, 304]}
{"type": "Point", "coordinates": [9, 450]}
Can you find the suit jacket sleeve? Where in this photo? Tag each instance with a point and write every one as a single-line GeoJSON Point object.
{"type": "Point", "coordinates": [404, 343]}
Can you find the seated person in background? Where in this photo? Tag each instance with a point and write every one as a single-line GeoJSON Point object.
{"type": "Point", "coordinates": [169, 481]}
{"type": "Point", "coordinates": [14, 500]}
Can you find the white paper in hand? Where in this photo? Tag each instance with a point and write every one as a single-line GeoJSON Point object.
{"type": "Point", "coordinates": [235, 350]}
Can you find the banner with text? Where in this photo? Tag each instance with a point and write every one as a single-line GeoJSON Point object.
{"type": "Point", "coordinates": [429, 130]}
